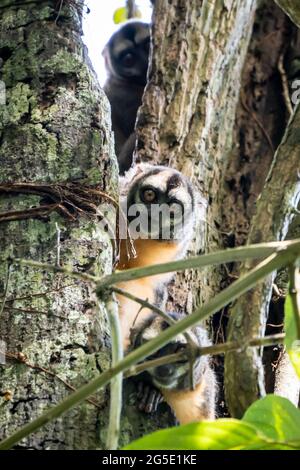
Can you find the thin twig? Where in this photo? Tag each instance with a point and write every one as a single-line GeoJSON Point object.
{"type": "Point", "coordinates": [117, 382]}
{"type": "Point", "coordinates": [57, 244]}
{"type": "Point", "coordinates": [285, 85]}
{"type": "Point", "coordinates": [260, 125]}
{"type": "Point", "coordinates": [294, 291]}
{"type": "Point", "coordinates": [231, 293]}
{"type": "Point", "coordinates": [9, 268]}
{"type": "Point", "coordinates": [189, 338]}
{"type": "Point", "coordinates": [21, 358]}
{"type": "Point", "coordinates": [34, 312]}
{"type": "Point", "coordinates": [59, 11]}
{"type": "Point", "coordinates": [205, 351]}
{"type": "Point", "coordinates": [219, 257]}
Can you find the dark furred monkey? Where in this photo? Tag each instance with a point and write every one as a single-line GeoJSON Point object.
{"type": "Point", "coordinates": [163, 201]}
{"type": "Point", "coordinates": [126, 58]}
{"type": "Point", "coordinates": [173, 380]}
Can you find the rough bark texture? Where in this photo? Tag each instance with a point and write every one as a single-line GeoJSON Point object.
{"type": "Point", "coordinates": [55, 129]}
{"type": "Point", "coordinates": [188, 110]}
{"type": "Point", "coordinates": [292, 8]}
{"type": "Point", "coordinates": [193, 128]}
{"type": "Point", "coordinates": [275, 211]}
{"type": "Point", "coordinates": [261, 103]}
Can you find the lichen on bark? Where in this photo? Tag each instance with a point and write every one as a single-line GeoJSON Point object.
{"type": "Point", "coordinates": [54, 128]}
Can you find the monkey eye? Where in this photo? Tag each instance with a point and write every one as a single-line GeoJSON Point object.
{"type": "Point", "coordinates": [128, 60]}
{"type": "Point", "coordinates": [149, 195]}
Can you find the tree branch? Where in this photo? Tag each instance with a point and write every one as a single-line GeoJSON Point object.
{"type": "Point", "coordinates": [240, 286]}
{"type": "Point", "coordinates": [219, 257]}
{"type": "Point", "coordinates": [291, 8]}
{"type": "Point", "coordinates": [117, 382]}
{"type": "Point", "coordinates": [244, 381]}
{"type": "Point", "coordinates": [205, 351]}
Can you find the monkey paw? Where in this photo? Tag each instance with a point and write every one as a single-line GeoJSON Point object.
{"type": "Point", "coordinates": [149, 398]}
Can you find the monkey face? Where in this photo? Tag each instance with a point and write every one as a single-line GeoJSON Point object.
{"type": "Point", "coordinates": [171, 376]}
{"type": "Point", "coordinates": [160, 204]}
{"type": "Point", "coordinates": [127, 52]}
{"type": "Point", "coordinates": [176, 375]}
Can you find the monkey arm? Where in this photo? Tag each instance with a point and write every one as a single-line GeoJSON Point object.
{"type": "Point", "coordinates": [193, 405]}
{"type": "Point", "coordinates": [125, 155]}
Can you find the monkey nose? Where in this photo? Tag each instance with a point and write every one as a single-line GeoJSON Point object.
{"type": "Point", "coordinates": [165, 370]}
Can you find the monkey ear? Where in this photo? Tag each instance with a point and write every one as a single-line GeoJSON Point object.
{"type": "Point", "coordinates": [104, 52]}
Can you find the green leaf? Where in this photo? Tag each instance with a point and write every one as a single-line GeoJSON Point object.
{"type": "Point", "coordinates": [223, 434]}
{"type": "Point", "coordinates": [120, 15]}
{"type": "Point", "coordinates": [270, 423]}
{"type": "Point", "coordinates": [291, 341]}
{"type": "Point", "coordinates": [277, 418]}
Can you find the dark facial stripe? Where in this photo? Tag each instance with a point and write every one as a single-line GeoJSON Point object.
{"type": "Point", "coordinates": [191, 193]}
{"type": "Point", "coordinates": [174, 182]}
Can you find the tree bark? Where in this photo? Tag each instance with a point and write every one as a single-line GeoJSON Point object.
{"type": "Point", "coordinates": [192, 127]}
{"type": "Point", "coordinates": [187, 116]}
{"type": "Point", "coordinates": [292, 9]}
{"type": "Point", "coordinates": [55, 130]}
{"type": "Point", "coordinates": [263, 101]}
{"type": "Point", "coordinates": [56, 135]}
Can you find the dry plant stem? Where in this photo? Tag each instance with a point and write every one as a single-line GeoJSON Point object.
{"type": "Point", "coordinates": [155, 309]}
{"type": "Point", "coordinates": [9, 268]}
{"type": "Point", "coordinates": [207, 350]}
{"type": "Point", "coordinates": [219, 257]}
{"type": "Point", "coordinates": [243, 284]}
{"type": "Point", "coordinates": [117, 381]}
{"type": "Point", "coordinates": [294, 291]}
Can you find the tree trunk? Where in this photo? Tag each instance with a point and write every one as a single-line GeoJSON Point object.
{"type": "Point", "coordinates": [261, 121]}
{"type": "Point", "coordinates": [188, 110]}
{"type": "Point", "coordinates": [55, 134]}
{"type": "Point", "coordinates": [55, 131]}
{"type": "Point", "coordinates": [195, 118]}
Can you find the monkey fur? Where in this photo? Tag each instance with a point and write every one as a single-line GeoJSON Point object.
{"type": "Point", "coordinates": [126, 59]}
{"type": "Point", "coordinates": [146, 188]}
{"type": "Point", "coordinates": [173, 380]}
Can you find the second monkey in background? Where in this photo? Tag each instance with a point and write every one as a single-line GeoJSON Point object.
{"type": "Point", "coordinates": [126, 59]}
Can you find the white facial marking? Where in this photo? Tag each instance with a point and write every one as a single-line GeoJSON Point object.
{"type": "Point", "coordinates": [121, 46]}
{"type": "Point", "coordinates": [141, 34]}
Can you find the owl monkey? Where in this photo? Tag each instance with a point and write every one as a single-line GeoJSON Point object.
{"type": "Point", "coordinates": [173, 380]}
{"type": "Point", "coordinates": [159, 203]}
{"type": "Point", "coordinates": [126, 59]}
